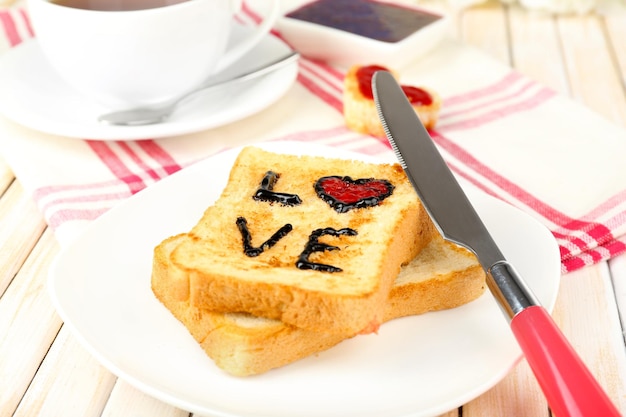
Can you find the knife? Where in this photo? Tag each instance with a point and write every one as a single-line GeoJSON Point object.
{"type": "Point", "coordinates": [569, 387]}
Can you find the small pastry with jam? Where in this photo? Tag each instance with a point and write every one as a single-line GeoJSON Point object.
{"type": "Point", "coordinates": [359, 109]}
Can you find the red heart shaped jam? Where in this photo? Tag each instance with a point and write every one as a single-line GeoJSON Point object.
{"type": "Point", "coordinates": [344, 194]}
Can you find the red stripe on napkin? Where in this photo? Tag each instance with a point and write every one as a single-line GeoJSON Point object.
{"type": "Point", "coordinates": [583, 235]}
{"type": "Point", "coordinates": [158, 154]}
{"type": "Point", "coordinates": [582, 254]}
{"type": "Point", "coordinates": [66, 203]}
{"type": "Point", "coordinates": [118, 155]}
{"type": "Point", "coordinates": [88, 201]}
{"type": "Point", "coordinates": [327, 74]}
{"type": "Point", "coordinates": [117, 166]}
{"type": "Point", "coordinates": [321, 93]}
{"type": "Point", "coordinates": [497, 87]}
{"type": "Point", "coordinates": [573, 245]}
{"type": "Point", "coordinates": [322, 81]}
{"type": "Point", "coordinates": [339, 136]}
{"type": "Point", "coordinates": [498, 99]}
{"type": "Point", "coordinates": [503, 111]}
{"type": "Point", "coordinates": [62, 216]}
{"type": "Point", "coordinates": [472, 180]}
{"type": "Point", "coordinates": [48, 192]}
{"type": "Point", "coordinates": [29, 28]}
{"type": "Point", "coordinates": [614, 205]}
{"type": "Point", "coordinates": [9, 27]}
{"type": "Point", "coordinates": [138, 161]}
{"type": "Point", "coordinates": [63, 200]}
{"type": "Point", "coordinates": [314, 135]}
{"type": "Point", "coordinates": [575, 236]}
{"type": "Point", "coordinates": [502, 183]}
{"type": "Point", "coordinates": [602, 253]}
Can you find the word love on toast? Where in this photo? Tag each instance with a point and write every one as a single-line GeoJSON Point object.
{"type": "Point", "coordinates": [341, 193]}
{"type": "Point", "coordinates": [311, 241]}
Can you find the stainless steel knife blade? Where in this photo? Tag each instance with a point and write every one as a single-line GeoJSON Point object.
{"type": "Point", "coordinates": [442, 196]}
{"type": "Point", "coordinates": [571, 390]}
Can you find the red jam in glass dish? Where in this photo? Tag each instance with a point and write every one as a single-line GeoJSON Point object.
{"type": "Point", "coordinates": [385, 22]}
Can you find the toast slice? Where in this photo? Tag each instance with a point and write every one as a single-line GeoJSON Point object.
{"type": "Point", "coordinates": [442, 276]}
{"type": "Point", "coordinates": [360, 112]}
{"type": "Point", "coordinates": [313, 242]}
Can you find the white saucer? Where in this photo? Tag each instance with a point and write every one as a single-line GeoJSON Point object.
{"type": "Point", "coordinates": [33, 95]}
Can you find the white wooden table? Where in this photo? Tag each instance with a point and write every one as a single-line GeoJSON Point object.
{"type": "Point", "coordinates": [45, 372]}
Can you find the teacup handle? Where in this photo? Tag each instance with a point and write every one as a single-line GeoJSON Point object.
{"type": "Point", "coordinates": [243, 46]}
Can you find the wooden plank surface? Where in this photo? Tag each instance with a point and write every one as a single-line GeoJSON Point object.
{"type": "Point", "coordinates": [587, 313]}
{"type": "Point", "coordinates": [126, 401]}
{"type": "Point", "coordinates": [27, 320]}
{"type": "Point", "coordinates": [543, 64]}
{"type": "Point", "coordinates": [486, 28]}
{"type": "Point", "coordinates": [564, 53]}
{"type": "Point", "coordinates": [594, 78]}
{"type": "Point", "coordinates": [20, 229]}
{"type": "Point", "coordinates": [51, 374]}
{"type": "Point", "coordinates": [617, 269]}
{"type": "Point", "coordinates": [69, 383]}
{"type": "Point", "coordinates": [615, 31]}
{"type": "Point", "coordinates": [6, 176]}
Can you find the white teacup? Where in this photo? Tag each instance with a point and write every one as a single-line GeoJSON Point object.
{"type": "Point", "coordinates": [128, 58]}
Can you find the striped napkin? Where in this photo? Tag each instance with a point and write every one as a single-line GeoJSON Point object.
{"type": "Point", "coordinates": [500, 131]}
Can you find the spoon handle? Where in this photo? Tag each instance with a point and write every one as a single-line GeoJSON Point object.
{"type": "Point", "coordinates": [248, 75]}
{"type": "Point", "coordinates": [155, 114]}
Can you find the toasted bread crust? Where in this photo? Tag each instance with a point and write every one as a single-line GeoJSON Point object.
{"type": "Point", "coordinates": [360, 112]}
{"type": "Point", "coordinates": [222, 278]}
{"type": "Point", "coordinates": [255, 314]}
{"type": "Point", "coordinates": [442, 276]}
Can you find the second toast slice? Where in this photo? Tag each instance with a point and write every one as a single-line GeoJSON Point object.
{"type": "Point", "coordinates": [312, 241]}
{"type": "Point", "coordinates": [441, 276]}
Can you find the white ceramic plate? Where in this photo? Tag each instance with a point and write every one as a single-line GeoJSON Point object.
{"type": "Point", "coordinates": [415, 366]}
{"type": "Point", "coordinates": [33, 95]}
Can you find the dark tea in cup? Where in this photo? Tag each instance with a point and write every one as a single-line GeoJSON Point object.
{"type": "Point", "coordinates": [116, 5]}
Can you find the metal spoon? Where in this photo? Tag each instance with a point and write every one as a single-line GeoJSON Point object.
{"type": "Point", "coordinates": [150, 115]}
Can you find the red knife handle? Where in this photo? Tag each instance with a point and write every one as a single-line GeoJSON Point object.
{"type": "Point", "coordinates": [569, 387]}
